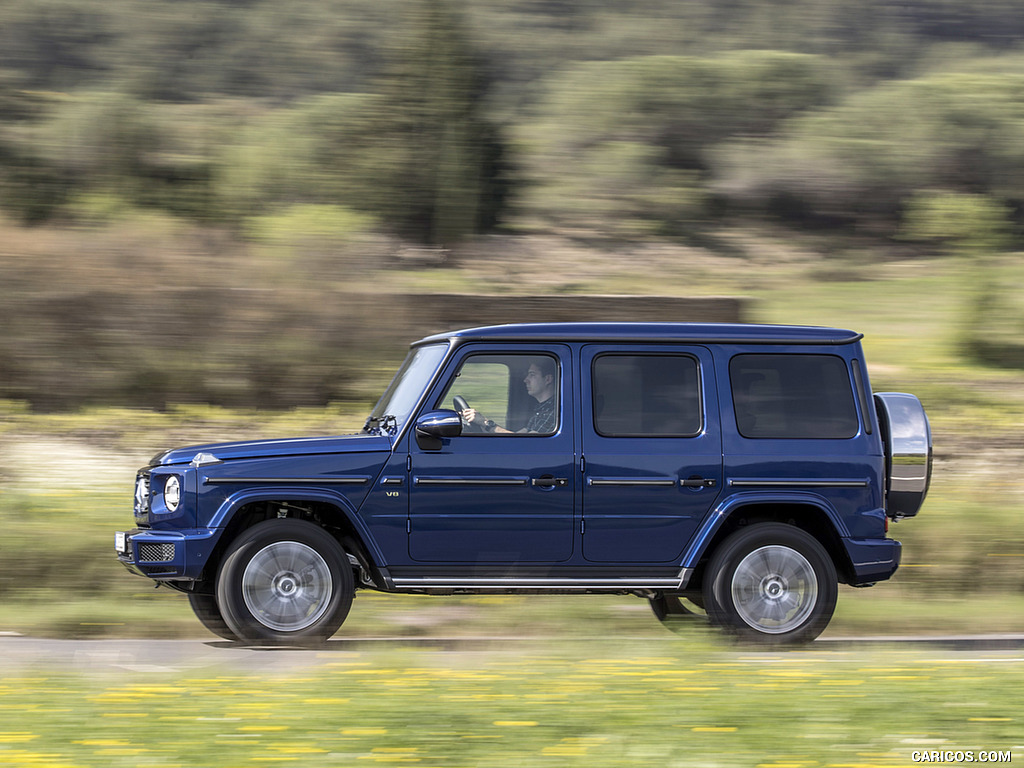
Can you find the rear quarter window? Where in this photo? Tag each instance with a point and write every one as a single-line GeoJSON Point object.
{"type": "Point", "coordinates": [792, 397]}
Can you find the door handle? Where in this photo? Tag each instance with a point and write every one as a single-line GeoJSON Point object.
{"type": "Point", "coordinates": [696, 481]}
{"type": "Point", "coordinates": [550, 481]}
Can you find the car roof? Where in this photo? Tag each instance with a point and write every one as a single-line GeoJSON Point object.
{"type": "Point", "coordinates": [707, 333]}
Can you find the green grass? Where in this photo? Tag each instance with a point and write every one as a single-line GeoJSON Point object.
{"type": "Point", "coordinates": [593, 703]}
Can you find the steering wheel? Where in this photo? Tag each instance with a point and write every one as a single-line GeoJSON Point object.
{"type": "Point", "coordinates": [460, 404]}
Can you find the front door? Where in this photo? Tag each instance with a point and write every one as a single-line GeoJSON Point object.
{"type": "Point", "coordinates": [652, 450]}
{"type": "Point", "coordinates": [502, 492]}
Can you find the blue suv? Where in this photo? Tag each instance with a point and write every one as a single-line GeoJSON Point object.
{"type": "Point", "coordinates": [735, 471]}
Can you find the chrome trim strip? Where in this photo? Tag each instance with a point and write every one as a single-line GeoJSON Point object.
{"type": "Point", "coordinates": [469, 481]}
{"type": "Point", "coordinates": [797, 483]}
{"type": "Point", "coordinates": [288, 480]}
{"type": "Point", "coordinates": [632, 481]}
{"type": "Point", "coordinates": [512, 582]}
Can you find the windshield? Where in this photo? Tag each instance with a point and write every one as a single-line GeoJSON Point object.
{"type": "Point", "coordinates": [398, 401]}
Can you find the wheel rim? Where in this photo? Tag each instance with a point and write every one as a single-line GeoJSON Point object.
{"type": "Point", "coordinates": [774, 589]}
{"type": "Point", "coordinates": [287, 586]}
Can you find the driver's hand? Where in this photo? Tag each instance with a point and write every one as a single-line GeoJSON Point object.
{"type": "Point", "coordinates": [469, 415]}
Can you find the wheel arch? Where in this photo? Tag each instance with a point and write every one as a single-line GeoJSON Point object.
{"type": "Point", "coordinates": [328, 511]}
{"type": "Point", "coordinates": [809, 513]}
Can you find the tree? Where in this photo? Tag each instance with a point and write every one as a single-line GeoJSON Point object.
{"type": "Point", "coordinates": [417, 151]}
{"type": "Point", "coordinates": [440, 156]}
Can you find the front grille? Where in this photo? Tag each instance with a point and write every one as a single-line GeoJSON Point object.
{"type": "Point", "coordinates": [156, 553]}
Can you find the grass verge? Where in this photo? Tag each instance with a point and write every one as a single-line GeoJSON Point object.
{"type": "Point", "coordinates": [594, 703]}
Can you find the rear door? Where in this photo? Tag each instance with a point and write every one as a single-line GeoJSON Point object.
{"type": "Point", "coordinates": [652, 450]}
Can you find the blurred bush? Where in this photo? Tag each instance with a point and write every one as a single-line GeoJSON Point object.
{"type": "Point", "coordinates": [628, 142]}
{"type": "Point", "coordinates": [208, 133]}
{"type": "Point", "coordinates": [862, 161]}
{"type": "Point", "coordinates": [164, 311]}
{"type": "Point", "coordinates": [444, 119]}
{"type": "Point", "coordinates": [305, 223]}
{"type": "Point", "coordinates": [415, 149]}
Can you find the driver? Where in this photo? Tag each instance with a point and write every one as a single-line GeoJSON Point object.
{"type": "Point", "coordinates": [540, 383]}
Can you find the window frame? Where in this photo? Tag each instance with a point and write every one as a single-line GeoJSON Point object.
{"type": "Point", "coordinates": [855, 422]}
{"type": "Point", "coordinates": [700, 400]}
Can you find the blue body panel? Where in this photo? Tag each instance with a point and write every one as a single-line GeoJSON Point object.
{"type": "Point", "coordinates": [259, 449]}
{"type": "Point", "coordinates": [473, 501]}
{"type": "Point", "coordinates": [635, 508]}
{"type": "Point", "coordinates": [576, 503]}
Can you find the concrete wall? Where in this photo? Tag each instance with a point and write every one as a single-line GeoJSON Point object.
{"type": "Point", "coordinates": [264, 348]}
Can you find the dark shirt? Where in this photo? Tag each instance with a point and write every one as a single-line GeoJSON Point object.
{"type": "Point", "coordinates": [544, 418]}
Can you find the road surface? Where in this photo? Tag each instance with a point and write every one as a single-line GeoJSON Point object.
{"type": "Point", "coordinates": [189, 655]}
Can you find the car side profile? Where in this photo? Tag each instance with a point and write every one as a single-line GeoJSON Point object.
{"type": "Point", "coordinates": [737, 471]}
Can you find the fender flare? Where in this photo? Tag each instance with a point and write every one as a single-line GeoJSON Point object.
{"type": "Point", "coordinates": [221, 519]}
{"type": "Point", "coordinates": [713, 523]}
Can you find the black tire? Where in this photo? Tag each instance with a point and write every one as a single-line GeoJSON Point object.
{"type": "Point", "coordinates": [771, 583]}
{"type": "Point", "coordinates": [285, 582]}
{"type": "Point", "coordinates": [205, 608]}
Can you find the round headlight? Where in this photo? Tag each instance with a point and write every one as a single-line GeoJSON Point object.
{"type": "Point", "coordinates": [172, 493]}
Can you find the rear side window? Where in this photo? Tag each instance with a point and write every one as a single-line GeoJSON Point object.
{"type": "Point", "coordinates": [792, 396]}
{"type": "Point", "coordinates": [646, 396]}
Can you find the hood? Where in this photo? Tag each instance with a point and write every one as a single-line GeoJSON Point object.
{"type": "Point", "coordinates": [302, 446]}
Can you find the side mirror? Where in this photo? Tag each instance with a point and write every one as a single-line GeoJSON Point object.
{"type": "Point", "coordinates": [434, 425]}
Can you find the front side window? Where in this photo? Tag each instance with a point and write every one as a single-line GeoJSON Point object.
{"type": "Point", "coordinates": [646, 396]}
{"type": "Point", "coordinates": [505, 394]}
{"type": "Point", "coordinates": [793, 396]}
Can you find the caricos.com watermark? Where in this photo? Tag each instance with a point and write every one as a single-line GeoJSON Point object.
{"type": "Point", "coordinates": [960, 756]}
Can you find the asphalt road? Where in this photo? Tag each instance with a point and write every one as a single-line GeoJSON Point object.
{"type": "Point", "coordinates": [193, 655]}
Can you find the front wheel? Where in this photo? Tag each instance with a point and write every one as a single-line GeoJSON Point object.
{"type": "Point", "coordinates": [772, 583]}
{"type": "Point", "coordinates": [206, 610]}
{"type": "Point", "coordinates": [285, 581]}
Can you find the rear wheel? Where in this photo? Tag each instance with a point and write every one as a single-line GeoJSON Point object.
{"type": "Point", "coordinates": [772, 583]}
{"type": "Point", "coordinates": [285, 581]}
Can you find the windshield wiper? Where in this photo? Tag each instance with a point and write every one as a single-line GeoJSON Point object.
{"type": "Point", "coordinates": [386, 424]}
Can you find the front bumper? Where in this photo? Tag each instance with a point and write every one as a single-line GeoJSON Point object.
{"type": "Point", "coordinates": [165, 555]}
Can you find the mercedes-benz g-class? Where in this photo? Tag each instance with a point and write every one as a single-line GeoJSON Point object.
{"type": "Point", "coordinates": [737, 471]}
